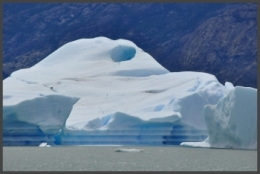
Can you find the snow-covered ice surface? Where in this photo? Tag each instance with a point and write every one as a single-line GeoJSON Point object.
{"type": "Point", "coordinates": [232, 122]}
{"type": "Point", "coordinates": [103, 91]}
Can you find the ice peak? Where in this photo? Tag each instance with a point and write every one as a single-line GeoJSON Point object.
{"type": "Point", "coordinates": [95, 57]}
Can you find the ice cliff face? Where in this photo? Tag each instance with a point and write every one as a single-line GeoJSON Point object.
{"type": "Point", "coordinates": [232, 122]}
{"type": "Point", "coordinates": [32, 112]}
{"type": "Point", "coordinates": [102, 91]}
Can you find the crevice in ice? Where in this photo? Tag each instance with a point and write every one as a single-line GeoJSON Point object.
{"type": "Point", "coordinates": [198, 82]}
{"type": "Point", "coordinates": [106, 119]}
{"type": "Point", "coordinates": [74, 79]}
{"type": "Point", "coordinates": [175, 104]}
{"type": "Point", "coordinates": [209, 82]}
{"type": "Point", "coordinates": [7, 96]}
{"type": "Point", "coordinates": [51, 88]}
{"type": "Point", "coordinates": [99, 107]}
{"type": "Point", "coordinates": [154, 91]}
{"type": "Point", "coordinates": [158, 108]}
{"type": "Point", "coordinates": [28, 82]}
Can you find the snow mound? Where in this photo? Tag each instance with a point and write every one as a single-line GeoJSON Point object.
{"type": "Point", "coordinates": [232, 123]}
{"type": "Point", "coordinates": [229, 85]}
{"type": "Point", "coordinates": [103, 91]}
{"type": "Point", "coordinates": [86, 58]}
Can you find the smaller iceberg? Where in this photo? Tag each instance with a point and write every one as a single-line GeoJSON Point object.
{"type": "Point", "coordinates": [128, 150]}
{"type": "Point", "coordinates": [44, 144]}
{"type": "Point", "coordinates": [232, 122]}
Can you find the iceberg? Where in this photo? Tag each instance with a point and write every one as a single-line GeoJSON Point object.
{"type": "Point", "coordinates": [103, 91]}
{"type": "Point", "coordinates": [128, 150]}
{"type": "Point", "coordinates": [232, 122]}
{"type": "Point", "coordinates": [43, 144]}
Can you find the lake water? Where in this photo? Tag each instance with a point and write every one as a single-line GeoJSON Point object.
{"type": "Point", "coordinates": [104, 158]}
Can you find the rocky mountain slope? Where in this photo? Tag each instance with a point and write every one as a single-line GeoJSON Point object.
{"type": "Point", "coordinates": [215, 38]}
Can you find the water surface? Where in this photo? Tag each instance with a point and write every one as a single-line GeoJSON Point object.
{"type": "Point", "coordinates": [104, 158]}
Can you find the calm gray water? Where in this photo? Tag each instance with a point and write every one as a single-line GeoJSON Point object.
{"type": "Point", "coordinates": [104, 158]}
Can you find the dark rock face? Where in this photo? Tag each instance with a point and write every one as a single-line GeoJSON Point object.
{"type": "Point", "coordinates": [216, 38]}
{"type": "Point", "coordinates": [224, 45]}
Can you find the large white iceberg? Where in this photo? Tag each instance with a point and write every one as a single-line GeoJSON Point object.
{"type": "Point", "coordinates": [232, 122]}
{"type": "Point", "coordinates": [103, 91]}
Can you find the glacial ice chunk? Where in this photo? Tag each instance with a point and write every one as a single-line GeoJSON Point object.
{"type": "Point", "coordinates": [128, 150]}
{"type": "Point", "coordinates": [44, 144]}
{"type": "Point", "coordinates": [30, 117]}
{"type": "Point", "coordinates": [232, 122]}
